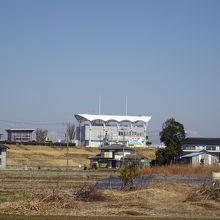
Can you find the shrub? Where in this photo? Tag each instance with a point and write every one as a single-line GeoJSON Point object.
{"type": "Point", "coordinates": [128, 174]}
{"type": "Point", "coordinates": [89, 193]}
{"type": "Point", "coordinates": [205, 192]}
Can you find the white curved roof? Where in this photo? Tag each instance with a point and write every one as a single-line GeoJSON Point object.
{"type": "Point", "coordinates": [105, 118]}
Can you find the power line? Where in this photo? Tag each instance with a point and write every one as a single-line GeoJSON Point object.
{"type": "Point", "coordinates": [33, 123]}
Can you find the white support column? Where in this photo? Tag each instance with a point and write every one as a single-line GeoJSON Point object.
{"type": "Point", "coordinates": [145, 133]}
{"type": "Point", "coordinates": [118, 132]}
{"type": "Point", "coordinates": [90, 127]}
{"type": "Point", "coordinates": [80, 135]}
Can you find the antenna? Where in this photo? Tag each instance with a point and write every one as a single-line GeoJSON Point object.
{"type": "Point", "coordinates": [126, 105]}
{"type": "Point", "coordinates": [99, 105]}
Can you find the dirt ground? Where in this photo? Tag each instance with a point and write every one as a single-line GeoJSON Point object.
{"type": "Point", "coordinates": [54, 193]}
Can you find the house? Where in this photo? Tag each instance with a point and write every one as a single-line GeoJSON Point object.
{"type": "Point", "coordinates": [111, 156]}
{"type": "Point", "coordinates": [199, 158]}
{"type": "Point", "coordinates": [3, 151]}
{"type": "Point", "coordinates": [195, 144]}
{"type": "Point", "coordinates": [20, 135]}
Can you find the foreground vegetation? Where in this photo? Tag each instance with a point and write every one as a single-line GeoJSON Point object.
{"type": "Point", "coordinates": [73, 193]}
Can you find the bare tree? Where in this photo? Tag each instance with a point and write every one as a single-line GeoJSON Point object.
{"type": "Point", "coordinates": [40, 135]}
{"type": "Point", "coordinates": [70, 131]}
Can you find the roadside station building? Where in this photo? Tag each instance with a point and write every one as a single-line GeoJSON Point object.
{"type": "Point", "coordinates": [20, 135]}
{"type": "Point", "coordinates": [128, 130]}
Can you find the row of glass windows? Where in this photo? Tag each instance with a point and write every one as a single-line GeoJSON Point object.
{"type": "Point", "coordinates": [195, 147]}
{"type": "Point", "coordinates": [130, 133]}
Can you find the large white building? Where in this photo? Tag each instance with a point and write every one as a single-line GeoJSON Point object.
{"type": "Point", "coordinates": [128, 130]}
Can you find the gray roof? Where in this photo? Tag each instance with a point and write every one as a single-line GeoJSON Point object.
{"type": "Point", "coordinates": [198, 153]}
{"type": "Point", "coordinates": [201, 141]}
{"type": "Point", "coordinates": [2, 146]}
{"type": "Point", "coordinates": [115, 147]}
{"type": "Point", "coordinates": [10, 130]}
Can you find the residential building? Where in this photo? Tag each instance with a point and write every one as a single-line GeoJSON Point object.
{"type": "Point", "coordinates": [128, 130]}
{"type": "Point", "coordinates": [3, 155]}
{"type": "Point", "coordinates": [200, 158]}
{"type": "Point", "coordinates": [111, 156]}
{"type": "Point", "coordinates": [20, 135]}
{"type": "Point", "coordinates": [197, 144]}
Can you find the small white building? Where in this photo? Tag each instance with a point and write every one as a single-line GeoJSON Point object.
{"type": "Point", "coordinates": [3, 156]}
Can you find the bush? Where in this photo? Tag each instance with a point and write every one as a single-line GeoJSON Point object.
{"type": "Point", "coordinates": [89, 193]}
{"type": "Point", "coordinates": [128, 174]}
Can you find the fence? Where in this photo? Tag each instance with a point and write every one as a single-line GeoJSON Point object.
{"type": "Point", "coordinates": [117, 182]}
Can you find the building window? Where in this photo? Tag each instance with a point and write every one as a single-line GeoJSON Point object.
{"type": "Point", "coordinates": [189, 147]}
{"type": "Point", "coordinates": [210, 147]}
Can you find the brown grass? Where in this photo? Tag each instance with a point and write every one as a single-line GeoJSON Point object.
{"type": "Point", "coordinates": [148, 153]}
{"type": "Point", "coordinates": [48, 156]}
{"type": "Point", "coordinates": [180, 170]}
{"type": "Point", "coordinates": [89, 192]}
{"type": "Point", "coordinates": [156, 200]}
{"type": "Point", "coordinates": [205, 192]}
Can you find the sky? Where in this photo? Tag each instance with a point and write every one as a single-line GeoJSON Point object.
{"type": "Point", "coordinates": [58, 57]}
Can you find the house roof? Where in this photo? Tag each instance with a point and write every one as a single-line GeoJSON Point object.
{"type": "Point", "coordinates": [106, 118]}
{"type": "Point", "coordinates": [201, 141]}
{"type": "Point", "coordinates": [2, 146]}
{"type": "Point", "coordinates": [115, 147]}
{"type": "Point", "coordinates": [198, 153]}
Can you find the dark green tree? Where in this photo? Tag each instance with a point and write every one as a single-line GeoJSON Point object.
{"type": "Point", "coordinates": [164, 156]}
{"type": "Point", "coordinates": [173, 136]}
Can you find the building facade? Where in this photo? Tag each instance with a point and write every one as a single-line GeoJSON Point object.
{"type": "Point", "coordinates": [128, 130]}
{"type": "Point", "coordinates": [20, 135]}
{"type": "Point", "coordinates": [3, 156]}
{"type": "Point", "coordinates": [194, 144]}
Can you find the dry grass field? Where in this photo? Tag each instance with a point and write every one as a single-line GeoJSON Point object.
{"type": "Point", "coordinates": [54, 193]}
{"type": "Point", "coordinates": [180, 170]}
{"type": "Point", "coordinates": [48, 156]}
{"type": "Point", "coordinates": [57, 156]}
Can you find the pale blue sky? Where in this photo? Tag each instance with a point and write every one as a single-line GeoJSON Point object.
{"type": "Point", "coordinates": [57, 57]}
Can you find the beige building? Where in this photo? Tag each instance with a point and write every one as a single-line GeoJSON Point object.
{"type": "Point", "coordinates": [3, 156]}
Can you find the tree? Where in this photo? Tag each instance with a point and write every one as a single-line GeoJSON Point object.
{"type": "Point", "coordinates": [70, 131]}
{"type": "Point", "coordinates": [128, 173]}
{"type": "Point", "coordinates": [164, 156]}
{"type": "Point", "coordinates": [40, 135]}
{"type": "Point", "coordinates": [172, 135]}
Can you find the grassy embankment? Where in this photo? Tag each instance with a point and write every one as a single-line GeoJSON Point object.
{"type": "Point", "coordinates": [57, 156]}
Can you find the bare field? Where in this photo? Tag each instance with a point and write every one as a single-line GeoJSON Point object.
{"type": "Point", "coordinates": [53, 193]}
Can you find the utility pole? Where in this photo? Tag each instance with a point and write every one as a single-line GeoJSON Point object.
{"type": "Point", "coordinates": [67, 150]}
